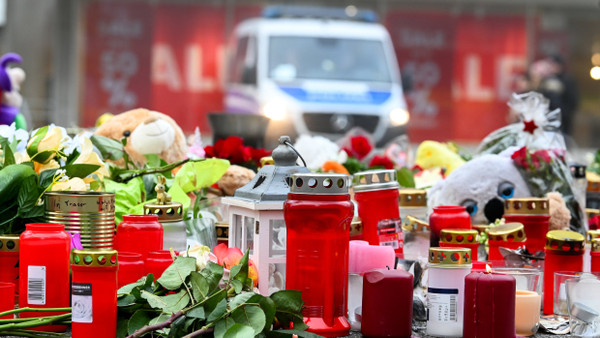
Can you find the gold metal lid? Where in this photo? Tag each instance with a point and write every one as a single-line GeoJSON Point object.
{"type": "Point", "coordinates": [592, 212]}
{"type": "Point", "coordinates": [171, 212]}
{"type": "Point", "coordinates": [9, 243]}
{"type": "Point", "coordinates": [356, 228]}
{"type": "Point", "coordinates": [565, 241]}
{"type": "Point", "coordinates": [509, 232]}
{"type": "Point", "coordinates": [94, 257]}
{"type": "Point", "coordinates": [592, 234]}
{"type": "Point", "coordinates": [267, 160]}
{"type": "Point", "coordinates": [596, 245]}
{"type": "Point", "coordinates": [527, 206]}
{"type": "Point", "coordinates": [412, 197]}
{"type": "Point", "coordinates": [459, 236]}
{"type": "Point", "coordinates": [449, 256]}
{"type": "Point", "coordinates": [414, 224]}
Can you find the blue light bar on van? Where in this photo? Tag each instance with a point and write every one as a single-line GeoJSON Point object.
{"type": "Point", "coordinates": [334, 13]}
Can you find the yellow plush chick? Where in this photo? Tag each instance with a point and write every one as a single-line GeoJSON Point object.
{"type": "Point", "coordinates": [432, 154]}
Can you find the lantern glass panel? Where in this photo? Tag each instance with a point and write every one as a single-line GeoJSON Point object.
{"type": "Point", "coordinates": [237, 224]}
{"type": "Point", "coordinates": [249, 226]}
{"type": "Point", "coordinates": [277, 237]}
{"type": "Point", "coordinates": [276, 277]}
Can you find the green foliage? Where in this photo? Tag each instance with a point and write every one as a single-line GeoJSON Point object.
{"type": "Point", "coordinates": [183, 301]}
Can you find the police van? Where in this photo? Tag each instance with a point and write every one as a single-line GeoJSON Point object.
{"type": "Point", "coordinates": [318, 71]}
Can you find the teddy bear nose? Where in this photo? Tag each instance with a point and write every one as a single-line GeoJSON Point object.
{"type": "Point", "coordinates": [494, 209]}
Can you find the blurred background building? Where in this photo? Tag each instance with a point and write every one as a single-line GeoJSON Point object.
{"type": "Point", "coordinates": [463, 58]}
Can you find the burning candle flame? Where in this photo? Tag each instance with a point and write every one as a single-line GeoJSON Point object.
{"type": "Point", "coordinates": [488, 268]}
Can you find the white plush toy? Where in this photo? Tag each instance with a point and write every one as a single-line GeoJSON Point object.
{"type": "Point", "coordinates": [481, 185]}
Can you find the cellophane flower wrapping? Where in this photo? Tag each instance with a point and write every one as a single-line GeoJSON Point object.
{"type": "Point", "coordinates": [538, 150]}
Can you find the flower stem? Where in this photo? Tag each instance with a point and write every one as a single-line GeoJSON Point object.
{"type": "Point", "coordinates": [35, 321]}
{"type": "Point", "coordinates": [36, 334]}
{"type": "Point", "coordinates": [31, 309]}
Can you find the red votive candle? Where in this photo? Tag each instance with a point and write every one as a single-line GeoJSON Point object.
{"type": "Point", "coordinates": [94, 293]}
{"type": "Point", "coordinates": [157, 262]}
{"type": "Point", "coordinates": [140, 233]}
{"type": "Point", "coordinates": [460, 238]}
{"type": "Point", "coordinates": [7, 299]}
{"type": "Point", "coordinates": [564, 252]}
{"type": "Point", "coordinates": [489, 306]}
{"type": "Point", "coordinates": [383, 288]}
{"type": "Point", "coordinates": [509, 235]}
{"type": "Point", "coordinates": [44, 270]}
{"type": "Point", "coordinates": [9, 261]}
{"type": "Point", "coordinates": [447, 217]}
{"type": "Point", "coordinates": [534, 214]}
{"type": "Point", "coordinates": [595, 253]}
{"type": "Point", "coordinates": [376, 195]}
{"type": "Point", "coordinates": [317, 215]}
{"type": "Point", "coordinates": [131, 267]}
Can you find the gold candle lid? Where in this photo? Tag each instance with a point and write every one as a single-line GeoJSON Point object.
{"type": "Point", "coordinates": [413, 224]}
{"type": "Point", "coordinates": [94, 257]}
{"type": "Point", "coordinates": [592, 234]}
{"type": "Point", "coordinates": [171, 212]}
{"type": "Point", "coordinates": [459, 236]}
{"type": "Point", "coordinates": [356, 228]}
{"type": "Point", "coordinates": [527, 206]}
{"type": "Point", "coordinates": [449, 256]}
{"type": "Point", "coordinates": [565, 241]}
{"type": "Point", "coordinates": [509, 232]}
{"type": "Point", "coordinates": [596, 245]}
{"type": "Point", "coordinates": [412, 198]}
{"type": "Point", "coordinates": [267, 160]}
{"type": "Point", "coordinates": [593, 184]}
{"type": "Point", "coordinates": [222, 229]}
{"type": "Point", "coordinates": [592, 212]}
{"type": "Point", "coordinates": [9, 243]}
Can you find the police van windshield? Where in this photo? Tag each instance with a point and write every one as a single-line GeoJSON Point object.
{"type": "Point", "coordinates": [292, 58]}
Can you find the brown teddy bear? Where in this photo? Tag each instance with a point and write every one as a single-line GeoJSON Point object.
{"type": "Point", "coordinates": [147, 132]}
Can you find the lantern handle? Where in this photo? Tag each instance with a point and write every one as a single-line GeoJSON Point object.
{"type": "Point", "coordinates": [289, 144]}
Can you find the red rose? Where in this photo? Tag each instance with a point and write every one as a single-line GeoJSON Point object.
{"type": "Point", "coordinates": [381, 161]}
{"type": "Point", "coordinates": [359, 147]}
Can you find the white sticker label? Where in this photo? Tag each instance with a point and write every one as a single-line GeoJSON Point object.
{"type": "Point", "coordinates": [81, 303]}
{"type": "Point", "coordinates": [36, 285]}
{"type": "Point", "coordinates": [442, 305]}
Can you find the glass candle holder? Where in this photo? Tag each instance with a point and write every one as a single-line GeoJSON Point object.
{"type": "Point", "coordinates": [447, 217]}
{"type": "Point", "coordinates": [415, 233]}
{"type": "Point", "coordinates": [412, 202]}
{"type": "Point", "coordinates": [564, 251]}
{"type": "Point", "coordinates": [94, 293]}
{"type": "Point", "coordinates": [583, 302]}
{"type": "Point", "coordinates": [448, 268]}
{"type": "Point", "coordinates": [528, 299]}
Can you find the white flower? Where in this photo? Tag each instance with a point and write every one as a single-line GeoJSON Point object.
{"type": "Point", "coordinates": [200, 252]}
{"type": "Point", "coordinates": [73, 184]}
{"type": "Point", "coordinates": [12, 133]}
{"type": "Point", "coordinates": [316, 150]}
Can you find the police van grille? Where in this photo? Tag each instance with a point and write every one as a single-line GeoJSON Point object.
{"type": "Point", "coordinates": [324, 122]}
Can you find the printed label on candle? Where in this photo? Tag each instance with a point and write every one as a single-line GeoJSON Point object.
{"type": "Point", "coordinates": [36, 285]}
{"type": "Point", "coordinates": [442, 305]}
{"type": "Point", "coordinates": [81, 301]}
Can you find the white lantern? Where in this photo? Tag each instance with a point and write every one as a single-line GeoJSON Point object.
{"type": "Point", "coordinates": [256, 217]}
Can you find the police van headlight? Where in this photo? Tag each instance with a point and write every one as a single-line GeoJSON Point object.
{"type": "Point", "coordinates": [275, 110]}
{"type": "Point", "coordinates": [399, 116]}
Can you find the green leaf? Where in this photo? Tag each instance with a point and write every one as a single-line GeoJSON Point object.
{"type": "Point", "coordinates": [213, 273]}
{"type": "Point", "coordinates": [152, 161]}
{"type": "Point", "coordinates": [139, 319]}
{"type": "Point", "coordinates": [197, 312]}
{"type": "Point", "coordinates": [268, 306]}
{"type": "Point", "coordinates": [156, 302]}
{"type": "Point", "coordinates": [200, 174]}
{"type": "Point", "coordinates": [288, 305]}
{"type": "Point", "coordinates": [46, 177]}
{"type": "Point", "coordinates": [7, 152]}
{"type": "Point", "coordinates": [174, 276]}
{"type": "Point", "coordinates": [28, 195]}
{"type": "Point", "coordinates": [222, 326]}
{"type": "Point", "coordinates": [127, 195]}
{"type": "Point", "coordinates": [177, 328]}
{"type": "Point", "coordinates": [239, 331]}
{"type": "Point", "coordinates": [250, 315]}
{"type": "Point", "coordinates": [80, 170]}
{"type": "Point", "coordinates": [109, 148]}
{"type": "Point", "coordinates": [199, 286]}
{"type": "Point", "coordinates": [237, 285]}
{"type": "Point", "coordinates": [122, 326]}
{"type": "Point", "coordinates": [240, 270]}
{"type": "Point", "coordinates": [159, 319]}
{"type": "Point", "coordinates": [214, 300]}
{"type": "Point", "coordinates": [169, 303]}
{"type": "Point", "coordinates": [290, 333]}
{"type": "Point", "coordinates": [178, 195]}
{"type": "Point", "coordinates": [405, 177]}
{"type": "Point", "coordinates": [126, 289]}
{"type": "Point", "coordinates": [219, 311]}
{"type": "Point", "coordinates": [241, 299]}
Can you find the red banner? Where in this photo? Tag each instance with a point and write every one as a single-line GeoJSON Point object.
{"type": "Point", "coordinates": [117, 62]}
